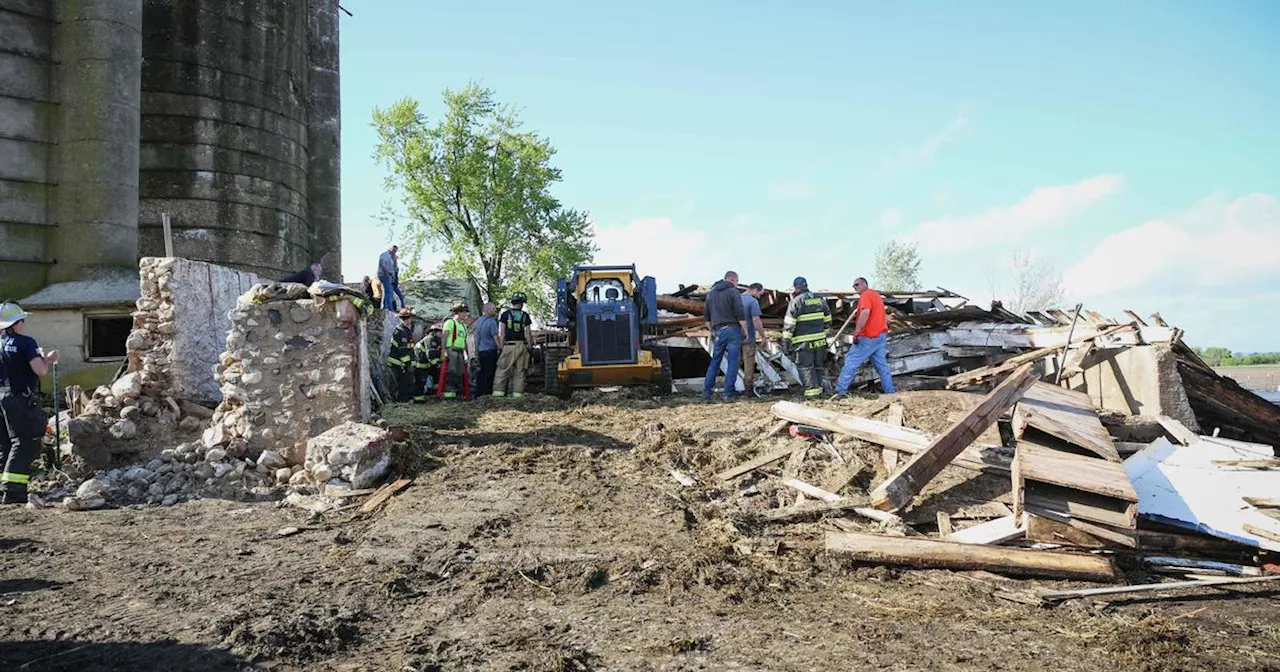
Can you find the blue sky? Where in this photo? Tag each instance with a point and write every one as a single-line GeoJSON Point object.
{"type": "Point", "coordinates": [1134, 147]}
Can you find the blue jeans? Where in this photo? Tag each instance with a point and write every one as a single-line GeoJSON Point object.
{"type": "Point", "coordinates": [728, 339]}
{"type": "Point", "coordinates": [388, 292]}
{"type": "Point", "coordinates": [864, 349]}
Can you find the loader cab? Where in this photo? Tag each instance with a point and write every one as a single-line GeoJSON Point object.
{"type": "Point", "coordinates": [605, 290]}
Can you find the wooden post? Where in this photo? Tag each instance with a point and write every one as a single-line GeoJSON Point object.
{"type": "Point", "coordinates": [1057, 378]}
{"type": "Point", "coordinates": [168, 234]}
{"type": "Point", "coordinates": [919, 552]}
{"type": "Point", "coordinates": [896, 492]}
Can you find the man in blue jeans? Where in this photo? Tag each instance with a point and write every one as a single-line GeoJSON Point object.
{"type": "Point", "coordinates": [388, 275]}
{"type": "Point", "coordinates": [869, 335]}
{"type": "Point", "coordinates": [728, 322]}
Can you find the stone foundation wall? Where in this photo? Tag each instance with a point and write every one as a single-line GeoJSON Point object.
{"type": "Point", "coordinates": [1141, 380]}
{"type": "Point", "coordinates": [180, 326]}
{"type": "Point", "coordinates": [295, 365]}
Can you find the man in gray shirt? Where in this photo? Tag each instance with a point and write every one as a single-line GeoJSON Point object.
{"type": "Point", "coordinates": [486, 333]}
{"type": "Point", "coordinates": [755, 332]}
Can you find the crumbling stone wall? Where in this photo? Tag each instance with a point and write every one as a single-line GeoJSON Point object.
{"type": "Point", "coordinates": [180, 326]}
{"type": "Point", "coordinates": [295, 365]}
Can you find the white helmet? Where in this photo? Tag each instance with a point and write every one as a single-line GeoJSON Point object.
{"type": "Point", "coordinates": [11, 314]}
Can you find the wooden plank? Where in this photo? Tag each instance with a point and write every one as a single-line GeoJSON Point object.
{"type": "Point", "coordinates": [904, 439]}
{"type": "Point", "coordinates": [1248, 464]}
{"type": "Point", "coordinates": [889, 455]}
{"type": "Point", "coordinates": [1078, 472]}
{"type": "Point", "coordinates": [755, 463]}
{"type": "Point", "coordinates": [1067, 415]}
{"type": "Point", "coordinates": [944, 525]}
{"type": "Point", "coordinates": [1059, 595]}
{"type": "Point", "coordinates": [814, 511]}
{"type": "Point", "coordinates": [1031, 336]}
{"type": "Point", "coordinates": [1118, 536]}
{"type": "Point", "coordinates": [812, 490]}
{"type": "Point", "coordinates": [1045, 529]}
{"type": "Point", "coordinates": [918, 552]}
{"type": "Point", "coordinates": [1235, 569]}
{"type": "Point", "coordinates": [1261, 532]}
{"type": "Point", "coordinates": [1177, 430]}
{"type": "Point", "coordinates": [995, 531]}
{"type": "Point", "coordinates": [1263, 502]}
{"type": "Point", "coordinates": [896, 492]}
{"type": "Point", "coordinates": [1046, 497]}
{"type": "Point", "coordinates": [975, 376]}
{"type": "Point", "coordinates": [383, 494]}
{"type": "Point", "coordinates": [796, 460]}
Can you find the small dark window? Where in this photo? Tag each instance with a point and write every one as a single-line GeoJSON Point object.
{"type": "Point", "coordinates": [105, 336]}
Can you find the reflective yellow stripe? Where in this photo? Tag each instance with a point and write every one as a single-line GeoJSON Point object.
{"type": "Point", "coordinates": [813, 393]}
{"type": "Point", "coordinates": [10, 477]}
{"type": "Point", "coordinates": [517, 395]}
{"type": "Point", "coordinates": [788, 321]}
{"type": "Point", "coordinates": [499, 394]}
{"type": "Point", "coordinates": [808, 338]}
{"type": "Point", "coordinates": [813, 316]}
{"type": "Point", "coordinates": [450, 395]}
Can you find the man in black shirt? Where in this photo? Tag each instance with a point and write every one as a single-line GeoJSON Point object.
{"type": "Point", "coordinates": [21, 365]}
{"type": "Point", "coordinates": [306, 276]}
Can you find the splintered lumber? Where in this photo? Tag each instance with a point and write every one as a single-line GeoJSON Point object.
{"type": "Point", "coordinates": [1107, 534]}
{"type": "Point", "coordinates": [889, 455]}
{"type": "Point", "coordinates": [838, 502]}
{"type": "Point", "coordinates": [1231, 568]}
{"type": "Point", "coordinates": [1263, 502]}
{"type": "Point", "coordinates": [1060, 595]}
{"type": "Point", "coordinates": [995, 531]}
{"type": "Point", "coordinates": [808, 511]}
{"type": "Point", "coordinates": [944, 525]}
{"type": "Point", "coordinates": [1177, 430]}
{"type": "Point", "coordinates": [975, 376]}
{"type": "Point", "coordinates": [1041, 528]}
{"type": "Point", "coordinates": [1064, 414]}
{"type": "Point", "coordinates": [755, 463]}
{"type": "Point", "coordinates": [904, 439]}
{"type": "Point", "coordinates": [896, 492]}
{"type": "Point", "coordinates": [812, 490]}
{"type": "Point", "coordinates": [1077, 472]}
{"type": "Point", "coordinates": [1249, 464]}
{"type": "Point", "coordinates": [383, 494]}
{"type": "Point", "coordinates": [918, 552]}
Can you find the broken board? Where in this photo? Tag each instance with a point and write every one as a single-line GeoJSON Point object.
{"type": "Point", "coordinates": [1064, 414]}
{"type": "Point", "coordinates": [1061, 485]}
{"type": "Point", "coordinates": [1180, 486]}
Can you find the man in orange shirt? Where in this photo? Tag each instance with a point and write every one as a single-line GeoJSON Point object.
{"type": "Point", "coordinates": [869, 335]}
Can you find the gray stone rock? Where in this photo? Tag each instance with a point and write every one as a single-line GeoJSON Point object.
{"type": "Point", "coordinates": [154, 465]}
{"type": "Point", "coordinates": [215, 455]}
{"type": "Point", "coordinates": [221, 469]}
{"type": "Point", "coordinates": [189, 424]}
{"type": "Point", "coordinates": [251, 378]}
{"type": "Point", "coordinates": [138, 474]}
{"type": "Point", "coordinates": [156, 490]}
{"type": "Point", "coordinates": [203, 472]}
{"type": "Point", "coordinates": [169, 500]}
{"type": "Point", "coordinates": [167, 455]}
{"type": "Point", "coordinates": [84, 431]}
{"type": "Point", "coordinates": [283, 474]}
{"type": "Point", "coordinates": [78, 503]}
{"type": "Point", "coordinates": [131, 413]}
{"type": "Point", "coordinates": [94, 487]}
{"type": "Point", "coordinates": [102, 392]}
{"type": "Point", "coordinates": [272, 459]}
{"type": "Point", "coordinates": [134, 492]}
{"type": "Point", "coordinates": [300, 478]}
{"type": "Point", "coordinates": [129, 385]}
{"type": "Point", "coordinates": [300, 313]}
{"type": "Point", "coordinates": [124, 430]}
{"type": "Point", "coordinates": [321, 472]}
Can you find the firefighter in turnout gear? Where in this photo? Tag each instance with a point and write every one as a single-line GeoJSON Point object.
{"type": "Point", "coordinates": [401, 356]}
{"type": "Point", "coordinates": [455, 353]}
{"type": "Point", "coordinates": [426, 363]}
{"type": "Point", "coordinates": [804, 335]}
{"type": "Point", "coordinates": [515, 333]}
{"type": "Point", "coordinates": [22, 421]}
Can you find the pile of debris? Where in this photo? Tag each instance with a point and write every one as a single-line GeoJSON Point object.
{"type": "Point", "coordinates": [1199, 506]}
{"type": "Point", "coordinates": [937, 340]}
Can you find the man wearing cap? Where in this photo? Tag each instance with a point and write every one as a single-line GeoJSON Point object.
{"type": "Point", "coordinates": [401, 356]}
{"type": "Point", "coordinates": [870, 332]}
{"type": "Point", "coordinates": [426, 363]}
{"type": "Point", "coordinates": [487, 346]}
{"type": "Point", "coordinates": [455, 352]}
{"type": "Point", "coordinates": [22, 363]}
{"type": "Point", "coordinates": [804, 335]}
{"type": "Point", "coordinates": [515, 333]}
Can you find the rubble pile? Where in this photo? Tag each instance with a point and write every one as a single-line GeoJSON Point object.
{"type": "Point", "coordinates": [295, 365]}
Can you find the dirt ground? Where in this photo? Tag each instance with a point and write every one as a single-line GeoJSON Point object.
{"type": "Point", "coordinates": [552, 536]}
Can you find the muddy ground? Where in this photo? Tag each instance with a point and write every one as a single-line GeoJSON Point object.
{"type": "Point", "coordinates": [553, 537]}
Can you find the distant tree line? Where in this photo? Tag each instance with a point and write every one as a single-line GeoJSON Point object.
{"type": "Point", "coordinates": [1224, 357]}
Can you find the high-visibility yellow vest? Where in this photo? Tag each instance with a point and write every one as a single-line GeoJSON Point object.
{"type": "Point", "coordinates": [455, 334]}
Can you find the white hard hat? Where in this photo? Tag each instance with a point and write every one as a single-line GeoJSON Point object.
{"type": "Point", "coordinates": [11, 314]}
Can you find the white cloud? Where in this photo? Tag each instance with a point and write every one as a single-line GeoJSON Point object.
{"type": "Point", "coordinates": [790, 190]}
{"type": "Point", "coordinates": [1214, 245]}
{"type": "Point", "coordinates": [659, 248]}
{"type": "Point", "coordinates": [1043, 208]}
{"type": "Point", "coordinates": [890, 219]}
{"type": "Point", "coordinates": [925, 151]}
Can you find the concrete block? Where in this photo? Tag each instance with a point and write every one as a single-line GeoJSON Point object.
{"type": "Point", "coordinates": [26, 34]}
{"type": "Point", "coordinates": [25, 119]}
{"type": "Point", "coordinates": [23, 241]}
{"type": "Point", "coordinates": [25, 77]}
{"type": "Point", "coordinates": [24, 202]}
{"type": "Point", "coordinates": [24, 160]}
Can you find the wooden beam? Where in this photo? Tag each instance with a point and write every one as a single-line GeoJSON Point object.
{"type": "Point", "coordinates": [944, 525]}
{"type": "Point", "coordinates": [904, 439]}
{"type": "Point", "coordinates": [918, 552]}
{"type": "Point", "coordinates": [1263, 502]}
{"type": "Point", "coordinates": [1067, 415]}
{"type": "Point", "coordinates": [383, 494]}
{"type": "Point", "coordinates": [896, 493]}
{"type": "Point", "coordinates": [1177, 430]}
{"type": "Point", "coordinates": [1248, 464]}
{"type": "Point", "coordinates": [889, 455]}
{"type": "Point", "coordinates": [1077, 472]}
{"type": "Point", "coordinates": [755, 463]}
{"type": "Point", "coordinates": [970, 378]}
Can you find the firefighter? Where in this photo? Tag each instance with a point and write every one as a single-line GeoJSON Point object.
{"type": "Point", "coordinates": [426, 363]}
{"type": "Point", "coordinates": [454, 333]}
{"type": "Point", "coordinates": [21, 364]}
{"type": "Point", "coordinates": [401, 355]}
{"type": "Point", "coordinates": [515, 333]}
{"type": "Point", "coordinates": [804, 335]}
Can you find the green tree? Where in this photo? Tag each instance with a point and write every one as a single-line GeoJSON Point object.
{"type": "Point", "coordinates": [897, 267]}
{"type": "Point", "coordinates": [476, 188]}
{"type": "Point", "coordinates": [1214, 356]}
